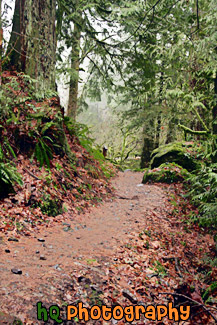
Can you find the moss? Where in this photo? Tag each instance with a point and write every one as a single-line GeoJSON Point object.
{"type": "Point", "coordinates": [166, 173]}
{"type": "Point", "coordinates": [51, 207]}
{"type": "Point", "coordinates": [181, 153]}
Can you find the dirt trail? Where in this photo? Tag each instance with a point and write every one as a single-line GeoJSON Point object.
{"type": "Point", "coordinates": [89, 242]}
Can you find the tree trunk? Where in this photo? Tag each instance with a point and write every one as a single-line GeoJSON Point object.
{"type": "Point", "coordinates": [32, 46]}
{"type": "Point", "coordinates": [148, 147]}
{"type": "Point", "coordinates": [159, 116]}
{"type": "Point", "coordinates": [214, 112]}
{"type": "Point", "coordinates": [73, 88]}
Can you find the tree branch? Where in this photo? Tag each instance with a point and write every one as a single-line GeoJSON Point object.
{"type": "Point", "coordinates": [190, 299]}
{"type": "Point", "coordinates": [186, 129]}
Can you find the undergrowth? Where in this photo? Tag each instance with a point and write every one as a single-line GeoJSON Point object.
{"type": "Point", "coordinates": [203, 193]}
{"type": "Point", "coordinates": [49, 165]}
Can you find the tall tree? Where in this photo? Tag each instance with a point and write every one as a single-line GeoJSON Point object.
{"type": "Point", "coordinates": [75, 60]}
{"type": "Point", "coordinates": [86, 38]}
{"type": "Point", "coordinates": [33, 41]}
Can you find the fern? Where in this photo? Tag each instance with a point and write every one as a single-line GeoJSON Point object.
{"type": "Point", "coordinates": [43, 152]}
{"type": "Point", "coordinates": [203, 193]}
{"type": "Point", "coordinates": [9, 174]}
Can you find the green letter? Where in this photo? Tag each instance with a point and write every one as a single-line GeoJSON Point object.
{"type": "Point", "coordinates": [41, 310]}
{"type": "Point", "coordinates": [55, 316]}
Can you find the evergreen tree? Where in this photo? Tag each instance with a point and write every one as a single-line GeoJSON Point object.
{"type": "Point", "coordinates": [32, 46]}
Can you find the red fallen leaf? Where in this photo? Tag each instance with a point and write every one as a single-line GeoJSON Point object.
{"type": "Point", "coordinates": [196, 295]}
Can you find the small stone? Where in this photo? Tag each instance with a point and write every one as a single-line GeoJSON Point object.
{"type": "Point", "coordinates": [16, 271]}
{"type": "Point", "coordinates": [37, 252]}
{"type": "Point", "coordinates": [156, 244]}
{"type": "Point", "coordinates": [7, 251]}
{"type": "Point", "coordinates": [67, 229]}
{"type": "Point", "coordinates": [41, 240]}
{"type": "Point", "coordinates": [42, 257]}
{"type": "Point", "coordinates": [13, 239]}
{"type": "Point", "coordinates": [57, 267]}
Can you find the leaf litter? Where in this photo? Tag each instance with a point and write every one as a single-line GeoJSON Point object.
{"type": "Point", "coordinates": [123, 252]}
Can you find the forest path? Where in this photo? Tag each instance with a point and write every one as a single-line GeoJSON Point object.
{"type": "Point", "coordinates": [88, 243]}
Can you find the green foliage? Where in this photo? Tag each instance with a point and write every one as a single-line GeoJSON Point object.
{"type": "Point", "coordinates": [35, 127]}
{"type": "Point", "coordinates": [166, 173]}
{"type": "Point", "coordinates": [43, 152]}
{"type": "Point", "coordinates": [8, 175]}
{"type": "Point", "coordinates": [209, 292]}
{"type": "Point", "coordinates": [203, 193]}
{"type": "Point", "coordinates": [50, 206]}
{"type": "Point", "coordinates": [82, 132]}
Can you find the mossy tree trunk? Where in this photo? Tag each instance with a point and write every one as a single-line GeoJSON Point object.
{"type": "Point", "coordinates": [148, 147]}
{"type": "Point", "coordinates": [75, 59]}
{"type": "Point", "coordinates": [74, 78]}
{"type": "Point", "coordinates": [159, 116]}
{"type": "Point", "coordinates": [32, 46]}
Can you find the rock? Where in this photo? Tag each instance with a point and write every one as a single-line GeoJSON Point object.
{"type": "Point", "coordinates": [156, 244]}
{"type": "Point", "coordinates": [37, 252]}
{"type": "Point", "coordinates": [13, 239]}
{"type": "Point", "coordinates": [42, 257]}
{"type": "Point", "coordinates": [16, 271]}
{"type": "Point", "coordinates": [68, 228]}
{"type": "Point", "coordinates": [41, 240]}
{"type": "Point", "coordinates": [82, 279]}
{"type": "Point", "coordinates": [166, 173]}
{"type": "Point", "coordinates": [56, 267]}
{"type": "Point", "coordinates": [180, 153]}
{"type": "Point", "coordinates": [7, 251]}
